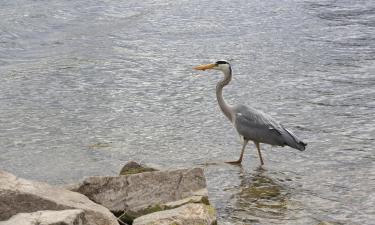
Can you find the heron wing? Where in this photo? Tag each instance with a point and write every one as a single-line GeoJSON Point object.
{"type": "Point", "coordinates": [257, 126]}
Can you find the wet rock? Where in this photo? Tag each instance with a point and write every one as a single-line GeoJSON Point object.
{"type": "Point", "coordinates": [20, 195]}
{"type": "Point", "coordinates": [64, 217]}
{"type": "Point", "coordinates": [143, 193]}
{"type": "Point", "coordinates": [189, 214]}
{"type": "Point", "coordinates": [134, 168]}
{"type": "Point", "coordinates": [198, 197]}
{"type": "Point", "coordinates": [193, 199]}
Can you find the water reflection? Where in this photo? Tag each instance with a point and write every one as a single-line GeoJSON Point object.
{"type": "Point", "coordinates": [259, 196]}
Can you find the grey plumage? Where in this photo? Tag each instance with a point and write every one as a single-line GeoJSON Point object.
{"type": "Point", "coordinates": [251, 124]}
{"type": "Point", "coordinates": [257, 126]}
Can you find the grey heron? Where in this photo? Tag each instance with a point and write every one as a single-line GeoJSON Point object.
{"type": "Point", "coordinates": [251, 124]}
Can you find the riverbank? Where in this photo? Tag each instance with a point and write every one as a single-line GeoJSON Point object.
{"type": "Point", "coordinates": [139, 195]}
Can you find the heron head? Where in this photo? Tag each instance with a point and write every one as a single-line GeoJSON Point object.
{"type": "Point", "coordinates": [219, 65]}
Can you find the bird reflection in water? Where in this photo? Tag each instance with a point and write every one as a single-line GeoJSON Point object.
{"type": "Point", "coordinates": [259, 196]}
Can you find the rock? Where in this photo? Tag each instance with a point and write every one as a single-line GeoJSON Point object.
{"type": "Point", "coordinates": [20, 195]}
{"type": "Point", "coordinates": [129, 216]}
{"type": "Point", "coordinates": [64, 217]}
{"type": "Point", "coordinates": [134, 168]}
{"type": "Point", "coordinates": [189, 214]}
{"type": "Point", "coordinates": [143, 193]}
{"type": "Point", "coordinates": [192, 199]}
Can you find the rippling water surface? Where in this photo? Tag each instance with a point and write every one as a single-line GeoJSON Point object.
{"type": "Point", "coordinates": [88, 85]}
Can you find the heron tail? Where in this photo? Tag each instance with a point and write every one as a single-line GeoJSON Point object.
{"type": "Point", "coordinates": [293, 141]}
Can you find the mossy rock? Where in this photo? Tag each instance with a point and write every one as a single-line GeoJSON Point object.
{"type": "Point", "coordinates": [211, 210]}
{"type": "Point", "coordinates": [129, 217]}
{"type": "Point", "coordinates": [134, 168]}
{"type": "Point", "coordinates": [191, 199]}
{"type": "Point", "coordinates": [191, 213]}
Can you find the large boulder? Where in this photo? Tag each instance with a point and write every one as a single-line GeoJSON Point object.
{"type": "Point", "coordinates": [189, 214]}
{"type": "Point", "coordinates": [64, 217]}
{"type": "Point", "coordinates": [142, 193]}
{"type": "Point", "coordinates": [20, 195]}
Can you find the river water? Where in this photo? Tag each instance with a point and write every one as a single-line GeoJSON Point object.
{"type": "Point", "coordinates": [87, 85]}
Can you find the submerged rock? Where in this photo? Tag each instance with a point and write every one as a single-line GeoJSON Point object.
{"type": "Point", "coordinates": [64, 217]}
{"type": "Point", "coordinates": [189, 214]}
{"type": "Point", "coordinates": [139, 194]}
{"type": "Point", "coordinates": [134, 168]}
{"type": "Point", "coordinates": [19, 195]}
{"type": "Point", "coordinates": [329, 223]}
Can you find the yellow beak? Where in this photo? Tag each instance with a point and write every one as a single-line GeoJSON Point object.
{"type": "Point", "coordinates": [204, 67]}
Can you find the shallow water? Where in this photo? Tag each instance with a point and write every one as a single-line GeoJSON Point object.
{"type": "Point", "coordinates": [87, 85]}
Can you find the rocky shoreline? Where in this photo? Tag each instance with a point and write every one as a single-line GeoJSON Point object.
{"type": "Point", "coordinates": [140, 195]}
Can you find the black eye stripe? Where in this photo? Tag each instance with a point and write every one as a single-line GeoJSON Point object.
{"type": "Point", "coordinates": [221, 62]}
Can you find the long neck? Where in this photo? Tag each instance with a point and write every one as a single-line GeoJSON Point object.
{"type": "Point", "coordinates": [219, 94]}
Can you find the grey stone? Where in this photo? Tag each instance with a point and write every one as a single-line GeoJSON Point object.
{"type": "Point", "coordinates": [20, 195]}
{"type": "Point", "coordinates": [64, 217]}
{"type": "Point", "coordinates": [193, 199]}
{"type": "Point", "coordinates": [142, 193]}
{"type": "Point", "coordinates": [189, 214]}
{"type": "Point", "coordinates": [134, 168]}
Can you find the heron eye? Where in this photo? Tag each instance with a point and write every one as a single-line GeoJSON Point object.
{"type": "Point", "coordinates": [221, 62]}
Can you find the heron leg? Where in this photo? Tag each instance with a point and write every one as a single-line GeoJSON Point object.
{"type": "Point", "coordinates": [259, 153]}
{"type": "Point", "coordinates": [242, 151]}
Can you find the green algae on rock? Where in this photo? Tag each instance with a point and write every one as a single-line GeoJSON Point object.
{"type": "Point", "coordinates": [134, 168]}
